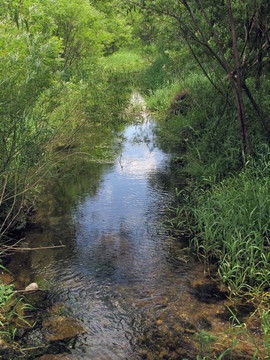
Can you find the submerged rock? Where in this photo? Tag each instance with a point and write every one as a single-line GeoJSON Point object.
{"type": "Point", "coordinates": [208, 292]}
{"type": "Point", "coordinates": [6, 278]}
{"type": "Point", "coordinates": [61, 328]}
{"type": "Point", "coordinates": [203, 323]}
{"type": "Point", "coordinates": [57, 357]}
{"type": "Point", "coordinates": [34, 338]}
{"type": "Point", "coordinates": [37, 298]}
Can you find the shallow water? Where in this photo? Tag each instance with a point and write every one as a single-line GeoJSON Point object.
{"type": "Point", "coordinates": [133, 287]}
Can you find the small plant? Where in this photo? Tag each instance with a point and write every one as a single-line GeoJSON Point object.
{"type": "Point", "coordinates": [238, 332]}
{"type": "Point", "coordinates": [266, 333]}
{"type": "Point", "coordinates": [12, 309]}
{"type": "Point", "coordinates": [205, 342]}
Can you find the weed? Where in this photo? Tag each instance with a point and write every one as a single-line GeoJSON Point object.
{"type": "Point", "coordinates": [237, 332]}
{"type": "Point", "coordinates": [12, 309]}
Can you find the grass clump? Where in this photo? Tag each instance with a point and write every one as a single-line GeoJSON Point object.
{"type": "Point", "coordinates": [12, 312]}
{"type": "Point", "coordinates": [230, 225]}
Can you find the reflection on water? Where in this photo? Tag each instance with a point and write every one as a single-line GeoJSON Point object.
{"type": "Point", "coordinates": [126, 281]}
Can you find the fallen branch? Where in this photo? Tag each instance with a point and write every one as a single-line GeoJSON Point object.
{"type": "Point", "coordinates": [32, 348]}
{"type": "Point", "coordinates": [34, 249]}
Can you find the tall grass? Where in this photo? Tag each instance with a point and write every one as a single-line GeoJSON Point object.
{"type": "Point", "coordinates": [230, 223]}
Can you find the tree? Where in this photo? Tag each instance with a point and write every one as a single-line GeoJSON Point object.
{"type": "Point", "coordinates": [229, 43]}
{"type": "Point", "coordinates": [52, 81]}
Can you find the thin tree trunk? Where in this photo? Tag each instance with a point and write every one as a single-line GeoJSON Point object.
{"type": "Point", "coordinates": [245, 143]}
{"type": "Point", "coordinates": [257, 108]}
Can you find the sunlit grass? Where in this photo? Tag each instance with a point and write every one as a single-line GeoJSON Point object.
{"type": "Point", "coordinates": [125, 60]}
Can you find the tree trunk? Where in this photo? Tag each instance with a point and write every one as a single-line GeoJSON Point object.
{"type": "Point", "coordinates": [245, 143]}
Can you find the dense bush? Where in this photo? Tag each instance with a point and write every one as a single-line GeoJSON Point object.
{"type": "Point", "coordinates": [56, 76]}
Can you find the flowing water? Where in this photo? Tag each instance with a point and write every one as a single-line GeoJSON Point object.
{"type": "Point", "coordinates": [133, 287]}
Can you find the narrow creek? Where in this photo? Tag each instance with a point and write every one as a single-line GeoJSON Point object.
{"type": "Point", "coordinates": [134, 289]}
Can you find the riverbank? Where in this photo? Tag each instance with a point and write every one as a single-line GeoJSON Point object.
{"type": "Point", "coordinates": [224, 209]}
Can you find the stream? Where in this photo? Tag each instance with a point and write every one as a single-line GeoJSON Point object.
{"type": "Point", "coordinates": [134, 289]}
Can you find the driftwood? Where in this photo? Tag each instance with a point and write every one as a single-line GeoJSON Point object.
{"type": "Point", "coordinates": [7, 250]}
{"type": "Point", "coordinates": [26, 291]}
{"type": "Point", "coordinates": [14, 248]}
{"type": "Point", "coordinates": [32, 348]}
{"type": "Point", "coordinates": [38, 248]}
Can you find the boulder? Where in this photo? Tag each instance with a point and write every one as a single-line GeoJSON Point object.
{"type": "Point", "coordinates": [59, 328]}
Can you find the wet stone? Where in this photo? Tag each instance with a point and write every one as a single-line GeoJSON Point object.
{"type": "Point", "coordinates": [58, 308]}
{"type": "Point", "coordinates": [61, 328]}
{"type": "Point", "coordinates": [181, 352]}
{"type": "Point", "coordinates": [32, 287]}
{"type": "Point", "coordinates": [36, 298]}
{"type": "Point", "coordinates": [189, 328]}
{"type": "Point", "coordinates": [34, 338]}
{"type": "Point", "coordinates": [203, 324]}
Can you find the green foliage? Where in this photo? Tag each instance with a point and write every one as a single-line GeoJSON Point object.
{"type": "Point", "coordinates": [29, 63]}
{"type": "Point", "coordinates": [12, 309]}
{"type": "Point", "coordinates": [54, 79]}
{"type": "Point", "coordinates": [158, 74]}
{"type": "Point", "coordinates": [204, 134]}
{"type": "Point", "coordinates": [226, 210]}
{"type": "Point", "coordinates": [230, 224]}
{"type": "Point", "coordinates": [230, 56]}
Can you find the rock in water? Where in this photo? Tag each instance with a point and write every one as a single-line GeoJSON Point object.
{"type": "Point", "coordinates": [60, 328]}
{"type": "Point", "coordinates": [32, 287]}
{"type": "Point", "coordinates": [57, 357]}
